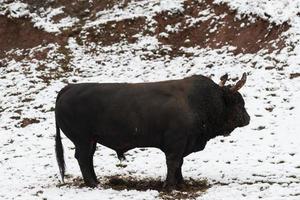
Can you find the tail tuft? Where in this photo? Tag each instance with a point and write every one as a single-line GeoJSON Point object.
{"type": "Point", "coordinates": [60, 153]}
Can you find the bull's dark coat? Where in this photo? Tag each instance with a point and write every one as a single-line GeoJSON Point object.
{"type": "Point", "coordinates": [177, 116]}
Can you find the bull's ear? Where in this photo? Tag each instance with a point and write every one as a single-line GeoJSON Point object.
{"type": "Point", "coordinates": [223, 80]}
{"type": "Point", "coordinates": [240, 83]}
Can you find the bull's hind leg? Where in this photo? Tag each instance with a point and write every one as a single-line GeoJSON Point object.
{"type": "Point", "coordinates": [91, 156]}
{"type": "Point", "coordinates": [83, 154]}
{"type": "Point", "coordinates": [120, 155]}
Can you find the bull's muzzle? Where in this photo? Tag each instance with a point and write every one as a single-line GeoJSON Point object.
{"type": "Point", "coordinates": [245, 120]}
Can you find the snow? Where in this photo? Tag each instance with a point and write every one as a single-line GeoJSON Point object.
{"type": "Point", "coordinates": [41, 19]}
{"type": "Point", "coordinates": [46, 22]}
{"type": "Point", "coordinates": [272, 10]}
{"type": "Point", "coordinates": [261, 160]}
{"type": "Point", "coordinates": [172, 5]}
{"type": "Point", "coordinates": [136, 9]}
{"type": "Point", "coordinates": [17, 9]}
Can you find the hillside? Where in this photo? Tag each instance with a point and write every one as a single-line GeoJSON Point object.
{"type": "Point", "coordinates": [46, 44]}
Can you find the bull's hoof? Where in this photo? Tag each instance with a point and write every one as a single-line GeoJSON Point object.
{"type": "Point", "coordinates": [121, 157]}
{"type": "Point", "coordinates": [92, 184]}
{"type": "Point", "coordinates": [168, 187]}
{"type": "Point", "coordinates": [181, 185]}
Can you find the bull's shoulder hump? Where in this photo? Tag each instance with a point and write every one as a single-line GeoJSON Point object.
{"type": "Point", "coordinates": [202, 78]}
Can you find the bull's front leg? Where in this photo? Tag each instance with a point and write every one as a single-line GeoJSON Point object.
{"type": "Point", "coordinates": [179, 177]}
{"type": "Point", "coordinates": [174, 146]}
{"type": "Point", "coordinates": [174, 176]}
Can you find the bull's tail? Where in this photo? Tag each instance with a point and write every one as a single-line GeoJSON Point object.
{"type": "Point", "coordinates": [59, 153]}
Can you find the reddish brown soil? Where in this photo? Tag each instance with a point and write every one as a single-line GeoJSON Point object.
{"type": "Point", "coordinates": [116, 31]}
{"type": "Point", "coordinates": [247, 39]}
{"type": "Point", "coordinates": [20, 33]}
{"type": "Point", "coordinates": [76, 8]}
{"type": "Point", "coordinates": [79, 9]}
{"type": "Point", "coordinates": [26, 121]}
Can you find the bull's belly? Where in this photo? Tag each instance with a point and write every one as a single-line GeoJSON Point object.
{"type": "Point", "coordinates": [125, 142]}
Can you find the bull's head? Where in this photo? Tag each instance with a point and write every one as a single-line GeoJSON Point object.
{"type": "Point", "coordinates": [236, 114]}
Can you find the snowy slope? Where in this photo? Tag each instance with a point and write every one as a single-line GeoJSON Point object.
{"type": "Point", "coordinates": [261, 160]}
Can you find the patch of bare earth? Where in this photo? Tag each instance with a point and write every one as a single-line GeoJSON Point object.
{"type": "Point", "coordinates": [78, 9]}
{"type": "Point", "coordinates": [191, 189]}
{"type": "Point", "coordinates": [220, 29]}
{"type": "Point", "coordinates": [115, 31]}
{"type": "Point", "coordinates": [294, 75]}
{"type": "Point", "coordinates": [26, 121]}
{"type": "Point", "coordinates": [20, 33]}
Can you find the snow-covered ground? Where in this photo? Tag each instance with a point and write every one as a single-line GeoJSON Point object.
{"type": "Point", "coordinates": [261, 160]}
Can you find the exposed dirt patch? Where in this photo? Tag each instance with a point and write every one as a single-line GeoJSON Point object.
{"type": "Point", "coordinates": [191, 189]}
{"type": "Point", "coordinates": [193, 27]}
{"type": "Point", "coordinates": [121, 183]}
{"type": "Point", "coordinates": [78, 9]}
{"type": "Point", "coordinates": [20, 33]}
{"type": "Point", "coordinates": [82, 10]}
{"type": "Point", "coordinates": [182, 29]}
{"type": "Point", "coordinates": [294, 75]}
{"type": "Point", "coordinates": [115, 31]}
{"type": "Point", "coordinates": [26, 121]}
{"type": "Point", "coordinates": [48, 74]}
{"type": "Point", "coordinates": [215, 32]}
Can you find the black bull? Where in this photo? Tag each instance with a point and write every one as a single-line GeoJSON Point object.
{"type": "Point", "coordinates": [177, 116]}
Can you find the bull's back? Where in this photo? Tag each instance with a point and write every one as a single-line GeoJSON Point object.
{"type": "Point", "coordinates": [120, 115]}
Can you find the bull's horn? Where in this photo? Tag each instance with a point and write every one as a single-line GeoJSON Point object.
{"type": "Point", "coordinates": [239, 84]}
{"type": "Point", "coordinates": [223, 79]}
